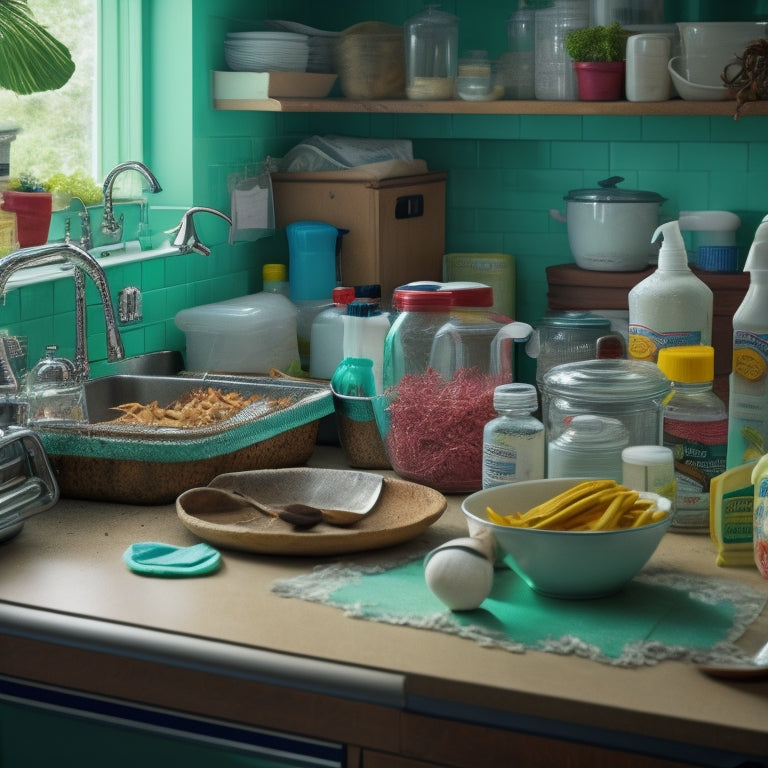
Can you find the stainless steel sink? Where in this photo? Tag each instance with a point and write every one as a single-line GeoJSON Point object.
{"type": "Point", "coordinates": [167, 362]}
{"type": "Point", "coordinates": [140, 464]}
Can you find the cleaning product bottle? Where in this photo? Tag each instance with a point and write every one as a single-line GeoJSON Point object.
{"type": "Point", "coordinates": [671, 307]}
{"type": "Point", "coordinates": [748, 393]}
{"type": "Point", "coordinates": [327, 335]}
{"type": "Point", "coordinates": [695, 429]}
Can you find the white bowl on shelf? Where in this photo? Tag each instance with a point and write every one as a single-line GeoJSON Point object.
{"type": "Point", "coordinates": [707, 47]}
{"type": "Point", "coordinates": [695, 91]}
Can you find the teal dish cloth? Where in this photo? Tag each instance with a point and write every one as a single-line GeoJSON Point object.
{"type": "Point", "coordinates": [150, 558]}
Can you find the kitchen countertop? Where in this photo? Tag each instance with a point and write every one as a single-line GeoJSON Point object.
{"type": "Point", "coordinates": [63, 585]}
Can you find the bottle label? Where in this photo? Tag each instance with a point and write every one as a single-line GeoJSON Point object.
{"type": "Point", "coordinates": [748, 402]}
{"type": "Point", "coordinates": [699, 449]}
{"type": "Point", "coordinates": [761, 526]}
{"type": "Point", "coordinates": [645, 343]}
{"type": "Point", "coordinates": [750, 355]}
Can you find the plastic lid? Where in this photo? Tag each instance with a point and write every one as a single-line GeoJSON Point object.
{"type": "Point", "coordinates": [276, 273]}
{"type": "Point", "coordinates": [608, 192]}
{"type": "Point", "coordinates": [574, 320]}
{"type": "Point", "coordinates": [422, 301]}
{"type": "Point", "coordinates": [465, 294]}
{"type": "Point", "coordinates": [647, 455]}
{"type": "Point", "coordinates": [51, 370]}
{"type": "Point", "coordinates": [254, 312]}
{"type": "Point", "coordinates": [718, 258]}
{"type": "Point", "coordinates": [589, 429]}
{"type": "Point", "coordinates": [605, 380]}
{"type": "Point", "coordinates": [515, 396]}
{"type": "Point", "coordinates": [343, 295]}
{"type": "Point", "coordinates": [687, 364]}
{"type": "Point", "coordinates": [363, 309]}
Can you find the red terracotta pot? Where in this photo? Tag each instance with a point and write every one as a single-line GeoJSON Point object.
{"type": "Point", "coordinates": [33, 215]}
{"type": "Point", "coordinates": [600, 80]}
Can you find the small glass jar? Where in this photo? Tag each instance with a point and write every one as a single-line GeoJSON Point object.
{"type": "Point", "coordinates": [475, 79]}
{"type": "Point", "coordinates": [54, 395]}
{"type": "Point", "coordinates": [517, 67]}
{"type": "Point", "coordinates": [431, 55]}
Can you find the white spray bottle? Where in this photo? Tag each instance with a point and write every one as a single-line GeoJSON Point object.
{"type": "Point", "coordinates": [748, 391]}
{"type": "Point", "coordinates": [672, 306]}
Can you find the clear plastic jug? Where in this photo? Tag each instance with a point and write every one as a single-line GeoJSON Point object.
{"type": "Point", "coordinates": [442, 363]}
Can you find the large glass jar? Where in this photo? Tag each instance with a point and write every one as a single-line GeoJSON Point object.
{"type": "Point", "coordinates": [555, 78]}
{"type": "Point", "coordinates": [431, 55]}
{"type": "Point", "coordinates": [442, 363]}
{"type": "Point", "coordinates": [631, 391]}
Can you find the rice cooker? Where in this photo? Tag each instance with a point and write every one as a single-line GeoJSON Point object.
{"type": "Point", "coordinates": [610, 228]}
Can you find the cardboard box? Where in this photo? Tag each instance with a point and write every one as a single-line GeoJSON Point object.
{"type": "Point", "coordinates": [396, 225]}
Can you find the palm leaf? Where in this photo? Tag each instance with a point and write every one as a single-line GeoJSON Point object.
{"type": "Point", "coordinates": [31, 59]}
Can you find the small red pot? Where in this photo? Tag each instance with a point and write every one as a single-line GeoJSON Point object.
{"type": "Point", "coordinates": [33, 215]}
{"type": "Point", "coordinates": [600, 80]}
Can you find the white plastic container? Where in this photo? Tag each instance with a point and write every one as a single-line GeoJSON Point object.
{"type": "Point", "coordinates": [326, 340]}
{"type": "Point", "coordinates": [671, 307]}
{"type": "Point", "coordinates": [647, 77]}
{"type": "Point", "coordinates": [365, 329]}
{"type": "Point", "coordinates": [748, 392]}
{"type": "Point", "coordinates": [249, 334]}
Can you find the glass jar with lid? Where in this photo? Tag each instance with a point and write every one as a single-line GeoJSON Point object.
{"type": "Point", "coordinates": [431, 55]}
{"type": "Point", "coordinates": [53, 392]}
{"type": "Point", "coordinates": [632, 391]}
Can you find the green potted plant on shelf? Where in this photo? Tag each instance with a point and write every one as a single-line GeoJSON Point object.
{"type": "Point", "coordinates": [598, 55]}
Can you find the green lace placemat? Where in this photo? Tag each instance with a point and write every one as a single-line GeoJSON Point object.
{"type": "Point", "coordinates": [660, 615]}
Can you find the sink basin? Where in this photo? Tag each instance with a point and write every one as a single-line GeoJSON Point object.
{"type": "Point", "coordinates": [167, 362]}
{"type": "Point", "coordinates": [139, 464]}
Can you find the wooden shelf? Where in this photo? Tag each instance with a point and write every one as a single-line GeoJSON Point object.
{"type": "Point", "coordinates": [504, 107]}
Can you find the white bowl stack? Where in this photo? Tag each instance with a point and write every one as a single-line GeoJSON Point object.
{"type": "Point", "coordinates": [706, 49]}
{"type": "Point", "coordinates": [266, 51]}
{"type": "Point", "coordinates": [321, 44]}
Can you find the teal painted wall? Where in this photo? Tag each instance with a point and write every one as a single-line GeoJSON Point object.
{"type": "Point", "coordinates": [505, 173]}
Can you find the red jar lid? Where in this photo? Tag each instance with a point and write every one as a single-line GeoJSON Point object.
{"type": "Point", "coordinates": [422, 301]}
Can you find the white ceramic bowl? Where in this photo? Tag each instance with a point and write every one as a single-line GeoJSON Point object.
{"type": "Point", "coordinates": [709, 46]}
{"type": "Point", "coordinates": [565, 564]}
{"type": "Point", "coordinates": [695, 91]}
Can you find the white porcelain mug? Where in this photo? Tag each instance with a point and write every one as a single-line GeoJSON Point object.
{"type": "Point", "coordinates": [647, 77]}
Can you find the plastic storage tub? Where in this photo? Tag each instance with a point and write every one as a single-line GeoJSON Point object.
{"type": "Point", "coordinates": [250, 334]}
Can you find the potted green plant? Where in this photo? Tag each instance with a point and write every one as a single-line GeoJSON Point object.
{"type": "Point", "coordinates": [598, 55]}
{"type": "Point", "coordinates": [27, 198]}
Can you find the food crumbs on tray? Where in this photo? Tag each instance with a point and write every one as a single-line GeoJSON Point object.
{"type": "Point", "coordinates": [196, 408]}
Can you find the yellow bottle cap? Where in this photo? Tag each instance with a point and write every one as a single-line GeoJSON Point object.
{"type": "Point", "coordinates": [687, 364]}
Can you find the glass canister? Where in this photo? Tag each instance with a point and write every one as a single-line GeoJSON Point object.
{"type": "Point", "coordinates": [632, 391]}
{"type": "Point", "coordinates": [54, 394]}
{"type": "Point", "coordinates": [517, 66]}
{"type": "Point", "coordinates": [565, 337]}
{"type": "Point", "coordinates": [431, 55]}
{"type": "Point", "coordinates": [555, 78]}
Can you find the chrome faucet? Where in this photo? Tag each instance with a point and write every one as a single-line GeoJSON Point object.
{"type": "Point", "coordinates": [86, 238]}
{"type": "Point", "coordinates": [84, 264]}
{"type": "Point", "coordinates": [111, 228]}
{"type": "Point", "coordinates": [186, 239]}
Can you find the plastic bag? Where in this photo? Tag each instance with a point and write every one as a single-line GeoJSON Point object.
{"type": "Point", "coordinates": [338, 153]}
{"type": "Point", "coordinates": [252, 204]}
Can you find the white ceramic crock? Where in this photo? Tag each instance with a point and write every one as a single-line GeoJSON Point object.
{"type": "Point", "coordinates": [610, 229]}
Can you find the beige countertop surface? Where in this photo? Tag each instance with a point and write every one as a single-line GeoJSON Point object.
{"type": "Point", "coordinates": [63, 577]}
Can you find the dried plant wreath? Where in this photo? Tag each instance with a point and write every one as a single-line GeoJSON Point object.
{"type": "Point", "coordinates": [748, 75]}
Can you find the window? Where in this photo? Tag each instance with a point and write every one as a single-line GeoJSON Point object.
{"type": "Point", "coordinates": [57, 129]}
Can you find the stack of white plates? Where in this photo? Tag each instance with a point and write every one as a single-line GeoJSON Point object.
{"type": "Point", "coordinates": [320, 41]}
{"type": "Point", "coordinates": [266, 51]}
